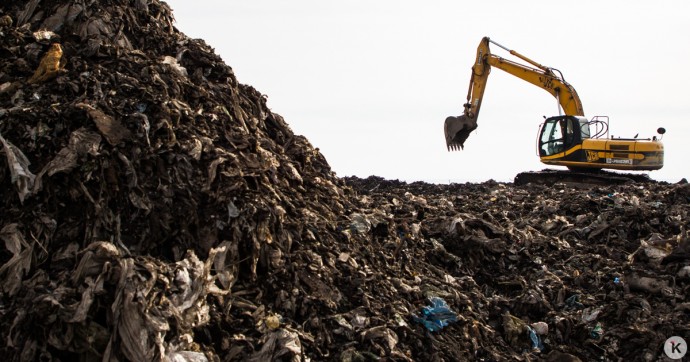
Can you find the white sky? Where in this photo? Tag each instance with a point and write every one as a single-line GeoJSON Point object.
{"type": "Point", "coordinates": [371, 82]}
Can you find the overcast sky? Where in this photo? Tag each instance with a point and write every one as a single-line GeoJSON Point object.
{"type": "Point", "coordinates": [371, 82]}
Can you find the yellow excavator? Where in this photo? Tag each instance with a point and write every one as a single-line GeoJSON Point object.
{"type": "Point", "coordinates": [569, 139]}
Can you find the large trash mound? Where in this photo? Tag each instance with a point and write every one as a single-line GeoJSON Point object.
{"type": "Point", "coordinates": [153, 208]}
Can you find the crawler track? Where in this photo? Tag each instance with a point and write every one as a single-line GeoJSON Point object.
{"type": "Point", "coordinates": [550, 177]}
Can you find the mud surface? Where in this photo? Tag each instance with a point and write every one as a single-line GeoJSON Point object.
{"type": "Point", "coordinates": [154, 208]}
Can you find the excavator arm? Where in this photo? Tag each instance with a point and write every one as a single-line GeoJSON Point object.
{"type": "Point", "coordinates": [458, 129]}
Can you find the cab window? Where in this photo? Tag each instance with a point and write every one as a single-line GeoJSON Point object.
{"type": "Point", "coordinates": [551, 140]}
{"type": "Point", "coordinates": [584, 129]}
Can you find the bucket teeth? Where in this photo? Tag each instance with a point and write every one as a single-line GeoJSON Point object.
{"type": "Point", "coordinates": [454, 146]}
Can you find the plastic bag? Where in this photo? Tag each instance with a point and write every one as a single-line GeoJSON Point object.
{"type": "Point", "coordinates": [437, 315]}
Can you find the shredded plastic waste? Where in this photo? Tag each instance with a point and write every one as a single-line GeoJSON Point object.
{"type": "Point", "coordinates": [596, 331]}
{"type": "Point", "coordinates": [536, 341]}
{"type": "Point", "coordinates": [574, 301]}
{"type": "Point", "coordinates": [437, 315]}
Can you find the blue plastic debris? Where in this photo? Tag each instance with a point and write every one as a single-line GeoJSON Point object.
{"type": "Point", "coordinates": [437, 315]}
{"type": "Point", "coordinates": [597, 331]}
{"type": "Point", "coordinates": [536, 341]}
{"type": "Point", "coordinates": [574, 301]}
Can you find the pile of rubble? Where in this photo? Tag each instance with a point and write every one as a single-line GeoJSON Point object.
{"type": "Point", "coordinates": [153, 208]}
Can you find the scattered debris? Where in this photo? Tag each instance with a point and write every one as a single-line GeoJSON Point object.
{"type": "Point", "coordinates": [437, 315]}
{"type": "Point", "coordinates": [154, 208]}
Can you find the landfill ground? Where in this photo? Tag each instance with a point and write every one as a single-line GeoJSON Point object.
{"type": "Point", "coordinates": [153, 208]}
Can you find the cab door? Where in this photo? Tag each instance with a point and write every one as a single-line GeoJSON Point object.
{"type": "Point", "coordinates": [558, 134]}
{"type": "Point", "coordinates": [551, 139]}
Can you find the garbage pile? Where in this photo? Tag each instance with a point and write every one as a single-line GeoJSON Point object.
{"type": "Point", "coordinates": [537, 272]}
{"type": "Point", "coordinates": [154, 208]}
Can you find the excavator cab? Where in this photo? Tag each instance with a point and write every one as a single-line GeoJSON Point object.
{"type": "Point", "coordinates": [561, 133]}
{"type": "Point", "coordinates": [579, 143]}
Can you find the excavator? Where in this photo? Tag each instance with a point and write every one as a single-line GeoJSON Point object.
{"type": "Point", "coordinates": [568, 139]}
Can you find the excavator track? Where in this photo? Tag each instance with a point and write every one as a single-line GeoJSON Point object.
{"type": "Point", "coordinates": [550, 177]}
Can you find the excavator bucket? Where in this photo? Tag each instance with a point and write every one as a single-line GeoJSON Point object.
{"type": "Point", "coordinates": [457, 129]}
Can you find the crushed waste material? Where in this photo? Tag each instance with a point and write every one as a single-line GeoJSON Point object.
{"type": "Point", "coordinates": [155, 209]}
